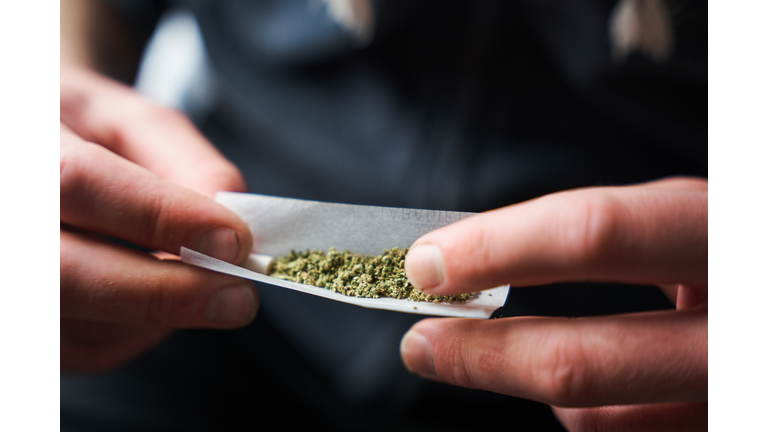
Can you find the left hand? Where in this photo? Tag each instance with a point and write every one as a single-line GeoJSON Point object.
{"type": "Point", "coordinates": [141, 173]}
{"type": "Point", "coordinates": [641, 371]}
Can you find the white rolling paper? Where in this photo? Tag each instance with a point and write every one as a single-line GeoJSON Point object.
{"type": "Point", "coordinates": [280, 225]}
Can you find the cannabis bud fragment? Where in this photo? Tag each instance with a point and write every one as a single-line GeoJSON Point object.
{"type": "Point", "coordinates": [355, 275]}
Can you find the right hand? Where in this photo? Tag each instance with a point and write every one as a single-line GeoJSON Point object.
{"type": "Point", "coordinates": [141, 173]}
{"type": "Point", "coordinates": [639, 371]}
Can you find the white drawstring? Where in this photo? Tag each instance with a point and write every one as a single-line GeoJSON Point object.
{"type": "Point", "coordinates": [642, 25]}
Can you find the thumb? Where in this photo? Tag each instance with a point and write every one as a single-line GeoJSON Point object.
{"type": "Point", "coordinates": [643, 235]}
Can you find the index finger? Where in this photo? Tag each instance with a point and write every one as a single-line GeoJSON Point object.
{"type": "Point", "coordinates": [640, 235]}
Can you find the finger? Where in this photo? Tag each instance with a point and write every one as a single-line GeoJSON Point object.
{"type": "Point", "coordinates": [162, 140]}
{"type": "Point", "coordinates": [91, 346]}
{"type": "Point", "coordinates": [673, 417]}
{"type": "Point", "coordinates": [102, 192]}
{"type": "Point", "coordinates": [652, 235]}
{"type": "Point", "coordinates": [676, 183]}
{"type": "Point", "coordinates": [104, 282]}
{"type": "Point", "coordinates": [628, 359]}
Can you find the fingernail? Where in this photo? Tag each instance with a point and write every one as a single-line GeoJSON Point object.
{"type": "Point", "coordinates": [416, 353]}
{"type": "Point", "coordinates": [233, 305]}
{"type": "Point", "coordinates": [221, 243]}
{"type": "Point", "coordinates": [424, 267]}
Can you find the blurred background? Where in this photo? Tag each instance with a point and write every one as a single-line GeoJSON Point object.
{"type": "Point", "coordinates": [448, 105]}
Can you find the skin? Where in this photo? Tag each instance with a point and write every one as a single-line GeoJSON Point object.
{"type": "Point", "coordinates": [141, 173]}
{"type": "Point", "coordinates": [135, 171]}
{"type": "Point", "coordinates": [642, 371]}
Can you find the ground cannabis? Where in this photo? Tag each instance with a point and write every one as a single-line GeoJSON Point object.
{"type": "Point", "coordinates": [355, 275]}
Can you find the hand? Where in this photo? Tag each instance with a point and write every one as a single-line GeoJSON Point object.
{"type": "Point", "coordinates": [143, 174]}
{"type": "Point", "coordinates": [641, 371]}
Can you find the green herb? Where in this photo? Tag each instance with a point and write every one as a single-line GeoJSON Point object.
{"type": "Point", "coordinates": [355, 275]}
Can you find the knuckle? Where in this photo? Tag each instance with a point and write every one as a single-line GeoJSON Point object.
{"type": "Point", "coordinates": [455, 367]}
{"type": "Point", "coordinates": [160, 304]}
{"type": "Point", "coordinates": [491, 364]}
{"type": "Point", "coordinates": [475, 245]}
{"type": "Point", "coordinates": [120, 133]}
{"type": "Point", "coordinates": [73, 174]}
{"type": "Point", "coordinates": [68, 162]}
{"type": "Point", "coordinates": [227, 177]}
{"type": "Point", "coordinates": [466, 367]}
{"type": "Point", "coordinates": [69, 166]}
{"type": "Point", "coordinates": [591, 227]}
{"type": "Point", "coordinates": [564, 379]}
{"type": "Point", "coordinates": [123, 129]}
{"type": "Point", "coordinates": [74, 107]}
{"type": "Point", "coordinates": [157, 222]}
